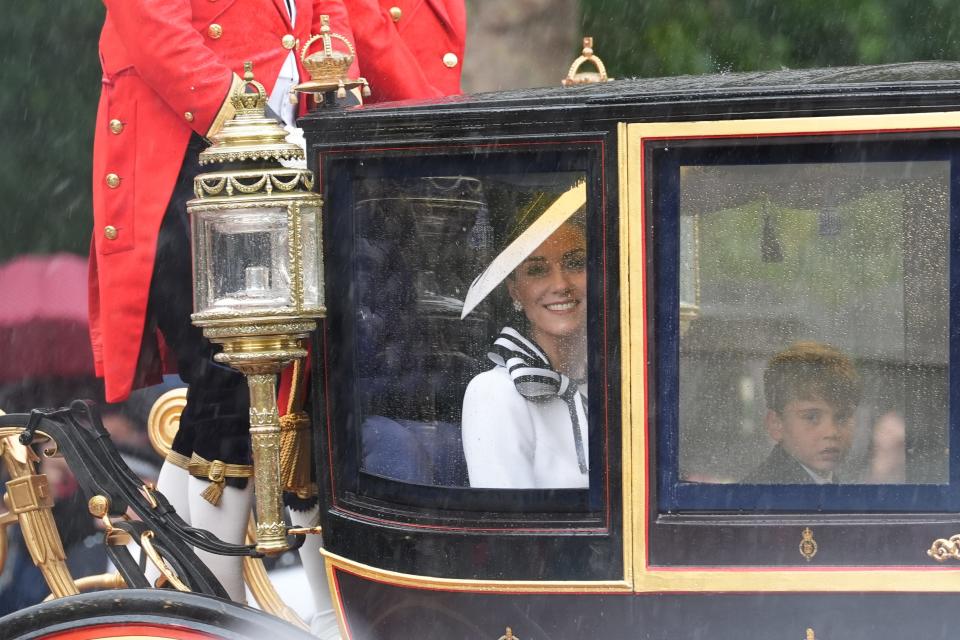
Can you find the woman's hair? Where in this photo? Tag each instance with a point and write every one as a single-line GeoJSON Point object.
{"type": "Point", "coordinates": [538, 203]}
{"type": "Point", "coordinates": [578, 219]}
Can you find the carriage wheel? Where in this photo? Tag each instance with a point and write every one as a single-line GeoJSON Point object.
{"type": "Point", "coordinates": [146, 614]}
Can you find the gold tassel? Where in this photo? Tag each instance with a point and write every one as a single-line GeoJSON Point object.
{"type": "Point", "coordinates": [216, 472]}
{"type": "Point", "coordinates": [296, 439]}
{"type": "Point", "coordinates": [213, 493]}
{"type": "Point", "coordinates": [295, 453]}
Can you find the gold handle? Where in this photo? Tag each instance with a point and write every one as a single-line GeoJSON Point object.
{"type": "Point", "coordinates": [573, 75]}
{"type": "Point", "coordinates": [97, 583]}
{"type": "Point", "coordinates": [160, 563]}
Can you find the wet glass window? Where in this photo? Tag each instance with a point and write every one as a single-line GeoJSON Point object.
{"type": "Point", "coordinates": [809, 335]}
{"type": "Point", "coordinates": [467, 314]}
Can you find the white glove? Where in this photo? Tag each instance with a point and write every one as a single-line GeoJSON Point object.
{"type": "Point", "coordinates": [295, 136]}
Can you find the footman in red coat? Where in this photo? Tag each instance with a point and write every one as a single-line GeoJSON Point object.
{"type": "Point", "coordinates": [168, 68]}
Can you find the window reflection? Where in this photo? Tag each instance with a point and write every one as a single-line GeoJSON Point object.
{"type": "Point", "coordinates": [846, 257]}
{"type": "Point", "coordinates": [470, 309]}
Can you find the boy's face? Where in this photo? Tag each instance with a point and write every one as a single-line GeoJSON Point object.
{"type": "Point", "coordinates": [813, 432]}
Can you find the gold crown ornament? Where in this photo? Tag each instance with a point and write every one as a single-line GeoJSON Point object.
{"type": "Point", "coordinates": [328, 68]}
{"type": "Point", "coordinates": [250, 134]}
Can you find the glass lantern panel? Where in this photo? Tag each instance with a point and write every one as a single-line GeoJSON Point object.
{"type": "Point", "coordinates": [312, 257]}
{"type": "Point", "coordinates": [243, 255]}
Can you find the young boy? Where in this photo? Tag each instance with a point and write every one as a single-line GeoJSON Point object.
{"type": "Point", "coordinates": [812, 391]}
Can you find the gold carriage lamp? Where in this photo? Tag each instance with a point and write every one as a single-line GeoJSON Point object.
{"type": "Point", "coordinates": [257, 274]}
{"type": "Point", "coordinates": [328, 68]}
{"type": "Point", "coordinates": [576, 77]}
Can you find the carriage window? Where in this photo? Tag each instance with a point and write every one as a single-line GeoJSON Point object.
{"type": "Point", "coordinates": [813, 323]}
{"type": "Point", "coordinates": [469, 313]}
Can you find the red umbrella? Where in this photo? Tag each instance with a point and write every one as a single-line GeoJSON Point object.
{"type": "Point", "coordinates": [43, 318]}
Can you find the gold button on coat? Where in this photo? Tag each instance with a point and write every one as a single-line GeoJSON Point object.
{"type": "Point", "coordinates": [450, 59]}
{"type": "Point", "coordinates": [110, 232]}
{"type": "Point", "coordinates": [396, 13]}
{"type": "Point", "coordinates": [214, 31]}
{"type": "Point", "coordinates": [288, 41]}
{"type": "Point", "coordinates": [188, 116]}
{"type": "Point", "coordinates": [113, 180]}
{"type": "Point", "coordinates": [116, 126]}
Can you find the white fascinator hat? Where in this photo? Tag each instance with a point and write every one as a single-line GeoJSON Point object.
{"type": "Point", "coordinates": [554, 215]}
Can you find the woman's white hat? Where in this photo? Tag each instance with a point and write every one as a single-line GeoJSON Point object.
{"type": "Point", "coordinates": [517, 251]}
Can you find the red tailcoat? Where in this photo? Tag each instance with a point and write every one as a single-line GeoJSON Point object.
{"type": "Point", "coordinates": [409, 49]}
{"type": "Point", "coordinates": [167, 68]}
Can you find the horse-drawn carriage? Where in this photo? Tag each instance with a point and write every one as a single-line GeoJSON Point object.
{"type": "Point", "coordinates": [724, 219]}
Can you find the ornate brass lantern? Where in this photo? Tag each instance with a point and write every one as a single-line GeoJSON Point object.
{"type": "Point", "coordinates": [258, 274]}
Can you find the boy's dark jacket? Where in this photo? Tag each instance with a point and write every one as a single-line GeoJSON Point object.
{"type": "Point", "coordinates": [779, 468]}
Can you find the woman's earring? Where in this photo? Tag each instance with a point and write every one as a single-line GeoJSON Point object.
{"type": "Point", "coordinates": [517, 306]}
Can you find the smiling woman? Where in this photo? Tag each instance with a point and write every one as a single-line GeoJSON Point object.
{"type": "Point", "coordinates": [524, 420]}
{"type": "Point", "coordinates": [464, 328]}
{"type": "Point", "coordinates": [550, 288]}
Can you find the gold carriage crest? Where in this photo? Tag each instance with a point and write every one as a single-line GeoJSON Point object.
{"type": "Point", "coordinates": [808, 546]}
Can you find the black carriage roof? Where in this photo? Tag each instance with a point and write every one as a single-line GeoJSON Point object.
{"type": "Point", "coordinates": [914, 86]}
{"type": "Point", "coordinates": [633, 89]}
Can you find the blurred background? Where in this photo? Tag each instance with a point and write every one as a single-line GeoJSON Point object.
{"type": "Point", "coordinates": [52, 75]}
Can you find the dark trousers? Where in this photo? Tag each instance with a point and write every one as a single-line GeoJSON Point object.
{"type": "Point", "coordinates": [215, 422]}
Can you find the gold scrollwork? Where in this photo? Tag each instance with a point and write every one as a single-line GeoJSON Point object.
{"type": "Point", "coordinates": [249, 182]}
{"type": "Point", "coordinates": [944, 549]}
{"type": "Point", "coordinates": [210, 186]}
{"type": "Point", "coordinates": [164, 419]}
{"type": "Point", "coordinates": [255, 575]}
{"type": "Point", "coordinates": [277, 181]}
{"type": "Point", "coordinates": [254, 155]}
{"type": "Point", "coordinates": [294, 328]}
{"type": "Point", "coordinates": [7, 518]}
{"type": "Point", "coordinates": [295, 253]}
{"type": "Point", "coordinates": [234, 184]}
{"type": "Point", "coordinates": [271, 529]}
{"type": "Point", "coordinates": [238, 360]}
{"type": "Point", "coordinates": [30, 501]}
{"type": "Point", "coordinates": [271, 201]}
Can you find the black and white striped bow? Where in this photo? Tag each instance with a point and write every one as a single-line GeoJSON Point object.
{"type": "Point", "coordinates": [530, 370]}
